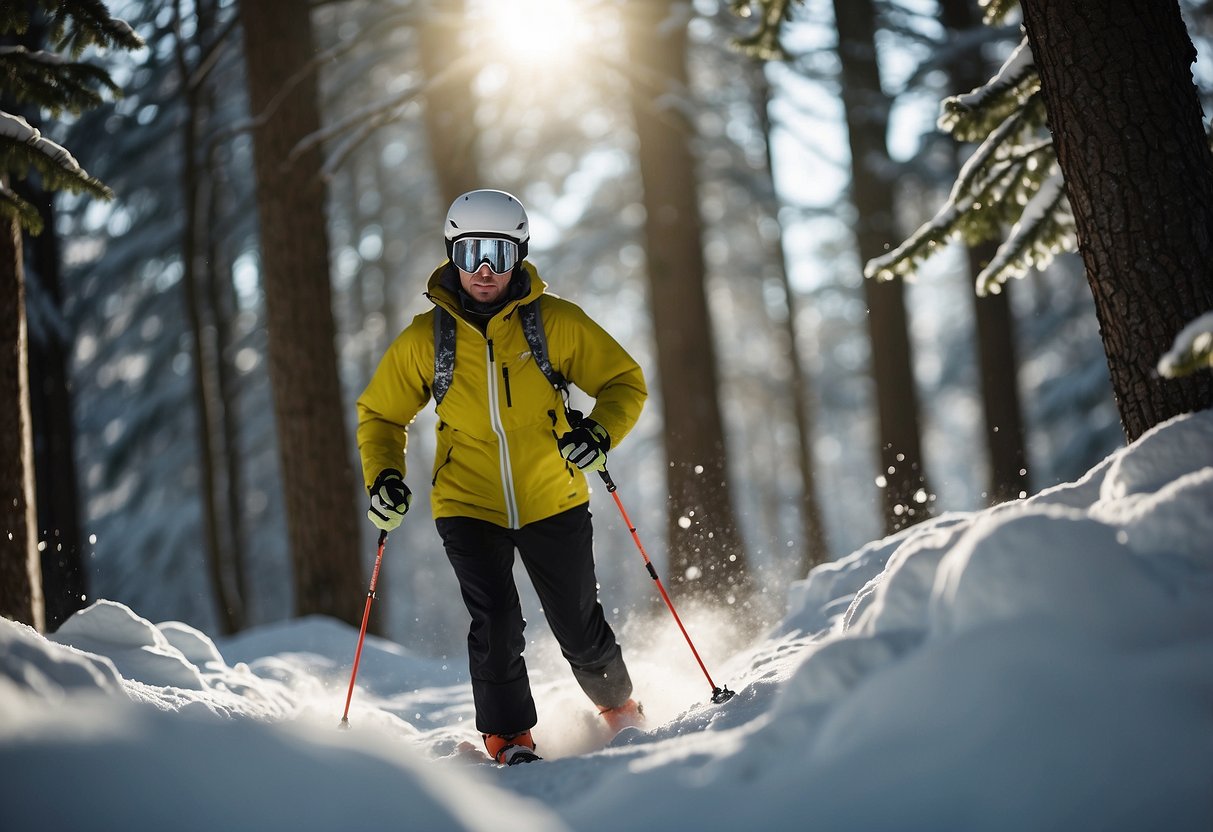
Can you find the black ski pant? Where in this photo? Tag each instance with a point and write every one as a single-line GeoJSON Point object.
{"type": "Point", "coordinates": [558, 553]}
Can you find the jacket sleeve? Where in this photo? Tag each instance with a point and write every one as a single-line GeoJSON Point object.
{"type": "Point", "coordinates": [397, 392]}
{"type": "Point", "coordinates": [594, 361]}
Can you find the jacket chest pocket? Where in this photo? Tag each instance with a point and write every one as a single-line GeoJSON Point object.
{"type": "Point", "coordinates": [524, 394]}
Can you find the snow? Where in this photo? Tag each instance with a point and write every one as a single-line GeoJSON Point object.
{"type": "Point", "coordinates": [1192, 349]}
{"type": "Point", "coordinates": [1018, 64]}
{"type": "Point", "coordinates": [1045, 664]}
{"type": "Point", "coordinates": [18, 129]}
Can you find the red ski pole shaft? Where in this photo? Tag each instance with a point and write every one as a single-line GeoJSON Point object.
{"type": "Point", "coordinates": [366, 615]}
{"type": "Point", "coordinates": [719, 694]}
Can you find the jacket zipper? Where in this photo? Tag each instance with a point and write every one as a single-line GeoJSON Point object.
{"type": "Point", "coordinates": [503, 448]}
{"type": "Point", "coordinates": [505, 375]}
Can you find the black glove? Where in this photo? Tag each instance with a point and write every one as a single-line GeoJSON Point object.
{"type": "Point", "coordinates": [389, 500]}
{"type": "Point", "coordinates": [586, 445]}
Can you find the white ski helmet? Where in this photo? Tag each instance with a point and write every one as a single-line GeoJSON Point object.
{"type": "Point", "coordinates": [487, 213]}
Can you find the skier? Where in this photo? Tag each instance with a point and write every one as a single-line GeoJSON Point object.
{"type": "Point", "coordinates": [508, 467]}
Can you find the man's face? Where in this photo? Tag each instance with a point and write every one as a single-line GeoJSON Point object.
{"type": "Point", "coordinates": [484, 285]}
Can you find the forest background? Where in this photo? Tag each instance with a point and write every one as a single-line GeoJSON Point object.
{"type": "Point", "coordinates": [707, 186]}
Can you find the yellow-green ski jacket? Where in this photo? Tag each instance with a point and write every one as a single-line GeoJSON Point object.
{"type": "Point", "coordinates": [496, 457]}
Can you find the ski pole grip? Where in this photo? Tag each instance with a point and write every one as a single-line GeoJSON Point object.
{"type": "Point", "coordinates": [606, 478]}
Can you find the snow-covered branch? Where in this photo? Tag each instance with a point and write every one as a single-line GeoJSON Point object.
{"type": "Point", "coordinates": [971, 116]}
{"type": "Point", "coordinates": [17, 129]}
{"type": "Point", "coordinates": [994, 185]}
{"type": "Point", "coordinates": [1045, 227]}
{"type": "Point", "coordinates": [41, 57]}
{"type": "Point", "coordinates": [22, 145]}
{"type": "Point", "coordinates": [1191, 351]}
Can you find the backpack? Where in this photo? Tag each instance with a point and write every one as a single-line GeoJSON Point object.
{"type": "Point", "coordinates": [532, 328]}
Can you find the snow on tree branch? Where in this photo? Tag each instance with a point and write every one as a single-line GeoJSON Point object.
{"type": "Point", "coordinates": [16, 129]}
{"type": "Point", "coordinates": [971, 117]}
{"type": "Point", "coordinates": [1191, 351]}
{"type": "Point", "coordinates": [1045, 227]}
{"type": "Point", "coordinates": [79, 24]}
{"type": "Point", "coordinates": [24, 146]}
{"type": "Point", "coordinates": [53, 84]}
{"type": "Point", "coordinates": [40, 56]}
{"type": "Point", "coordinates": [1011, 179]}
{"type": "Point", "coordinates": [993, 186]}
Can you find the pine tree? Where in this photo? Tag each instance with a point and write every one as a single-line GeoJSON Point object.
{"type": "Point", "coordinates": [997, 347]}
{"type": "Point", "coordinates": [317, 473]}
{"type": "Point", "coordinates": [57, 82]}
{"type": "Point", "coordinates": [706, 551]}
{"type": "Point", "coordinates": [1091, 139]}
{"type": "Point", "coordinates": [902, 476]}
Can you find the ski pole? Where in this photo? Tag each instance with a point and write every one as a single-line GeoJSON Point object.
{"type": "Point", "coordinates": [719, 694]}
{"type": "Point", "coordinates": [366, 614]}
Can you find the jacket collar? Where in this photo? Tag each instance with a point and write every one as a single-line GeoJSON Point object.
{"type": "Point", "coordinates": [443, 290]}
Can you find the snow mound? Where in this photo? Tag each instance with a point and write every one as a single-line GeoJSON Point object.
{"type": "Point", "coordinates": [31, 664]}
{"type": "Point", "coordinates": [1045, 664]}
{"type": "Point", "coordinates": [136, 647]}
{"type": "Point", "coordinates": [1164, 453]}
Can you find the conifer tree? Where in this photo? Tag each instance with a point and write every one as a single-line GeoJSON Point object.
{"type": "Point", "coordinates": [57, 82]}
{"type": "Point", "coordinates": [1090, 140]}
{"type": "Point", "coordinates": [317, 472]}
{"type": "Point", "coordinates": [905, 490]}
{"type": "Point", "coordinates": [706, 552]}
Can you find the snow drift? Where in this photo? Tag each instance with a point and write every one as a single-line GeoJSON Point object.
{"type": "Point", "coordinates": [1046, 664]}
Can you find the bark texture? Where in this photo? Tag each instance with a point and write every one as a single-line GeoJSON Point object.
{"type": "Point", "coordinates": [1126, 122]}
{"type": "Point", "coordinates": [20, 570]}
{"type": "Point", "coordinates": [707, 555]}
{"type": "Point", "coordinates": [997, 349]}
{"type": "Point", "coordinates": [905, 490]}
{"type": "Point", "coordinates": [318, 482]}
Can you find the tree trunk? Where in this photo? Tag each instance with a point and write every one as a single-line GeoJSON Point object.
{"type": "Point", "coordinates": [64, 577]}
{"type": "Point", "coordinates": [222, 302]}
{"type": "Point", "coordinates": [997, 351]}
{"type": "Point", "coordinates": [20, 567]}
{"type": "Point", "coordinates": [317, 475]}
{"type": "Point", "coordinates": [998, 367]}
{"type": "Point", "coordinates": [707, 555]}
{"type": "Point", "coordinates": [450, 105]}
{"type": "Point", "coordinates": [1126, 123]}
{"type": "Point", "coordinates": [814, 547]}
{"type": "Point", "coordinates": [905, 490]}
{"type": "Point", "coordinates": [228, 603]}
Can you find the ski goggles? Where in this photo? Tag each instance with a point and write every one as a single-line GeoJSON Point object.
{"type": "Point", "coordinates": [470, 252]}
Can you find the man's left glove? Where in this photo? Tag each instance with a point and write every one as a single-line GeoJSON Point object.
{"type": "Point", "coordinates": [586, 445]}
{"type": "Point", "coordinates": [389, 500]}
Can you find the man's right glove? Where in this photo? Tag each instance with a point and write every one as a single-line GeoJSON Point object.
{"type": "Point", "coordinates": [586, 445]}
{"type": "Point", "coordinates": [389, 500]}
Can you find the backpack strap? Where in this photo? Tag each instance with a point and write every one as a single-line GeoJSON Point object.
{"type": "Point", "coordinates": [532, 328]}
{"type": "Point", "coordinates": [537, 340]}
{"type": "Point", "coordinates": [444, 353]}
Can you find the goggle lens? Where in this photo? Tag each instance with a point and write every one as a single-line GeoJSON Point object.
{"type": "Point", "coordinates": [470, 252]}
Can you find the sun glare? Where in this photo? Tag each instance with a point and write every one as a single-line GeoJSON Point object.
{"type": "Point", "coordinates": [532, 32]}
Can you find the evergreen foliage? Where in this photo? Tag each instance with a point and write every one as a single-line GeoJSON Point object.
{"type": "Point", "coordinates": [1192, 351]}
{"type": "Point", "coordinates": [58, 85]}
{"type": "Point", "coordinates": [763, 42]}
{"type": "Point", "coordinates": [1011, 179]}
